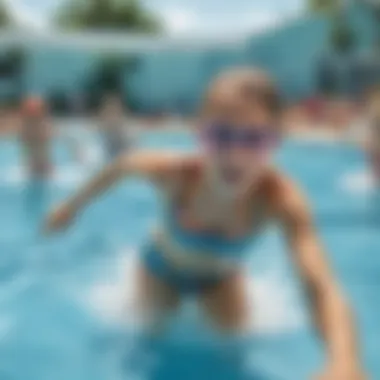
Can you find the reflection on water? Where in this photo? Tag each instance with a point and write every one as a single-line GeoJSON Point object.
{"type": "Point", "coordinates": [358, 182]}
{"type": "Point", "coordinates": [36, 200]}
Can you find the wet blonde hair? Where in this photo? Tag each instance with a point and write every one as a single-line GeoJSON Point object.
{"type": "Point", "coordinates": [250, 84]}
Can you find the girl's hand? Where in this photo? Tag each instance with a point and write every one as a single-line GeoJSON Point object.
{"type": "Point", "coordinates": [60, 218]}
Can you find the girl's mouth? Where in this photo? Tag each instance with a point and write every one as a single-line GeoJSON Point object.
{"type": "Point", "coordinates": [232, 175]}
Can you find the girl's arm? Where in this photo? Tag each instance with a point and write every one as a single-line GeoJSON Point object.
{"type": "Point", "coordinates": [331, 311]}
{"type": "Point", "coordinates": [150, 165]}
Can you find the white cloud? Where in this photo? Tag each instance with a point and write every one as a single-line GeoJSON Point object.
{"type": "Point", "coordinates": [27, 15]}
{"type": "Point", "coordinates": [180, 20]}
{"type": "Point", "coordinates": [261, 20]}
{"type": "Point", "coordinates": [187, 21]}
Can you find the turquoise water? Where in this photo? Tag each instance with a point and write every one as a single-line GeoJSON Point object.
{"type": "Point", "coordinates": [61, 297]}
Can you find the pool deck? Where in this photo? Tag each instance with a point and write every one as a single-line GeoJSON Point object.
{"type": "Point", "coordinates": [309, 133]}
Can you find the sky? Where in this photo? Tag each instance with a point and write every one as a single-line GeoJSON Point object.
{"type": "Point", "coordinates": [184, 16]}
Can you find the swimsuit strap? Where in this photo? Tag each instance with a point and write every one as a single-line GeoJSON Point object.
{"type": "Point", "coordinates": [183, 178]}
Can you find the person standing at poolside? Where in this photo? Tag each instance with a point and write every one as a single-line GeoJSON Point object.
{"type": "Point", "coordinates": [35, 136]}
{"type": "Point", "coordinates": [373, 138]}
{"type": "Point", "coordinates": [218, 202]}
{"type": "Point", "coordinates": [116, 137]}
{"type": "Point", "coordinates": [365, 130]}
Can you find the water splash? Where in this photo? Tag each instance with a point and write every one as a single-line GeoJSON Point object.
{"type": "Point", "coordinates": [358, 182]}
{"type": "Point", "coordinates": [274, 307]}
{"type": "Point", "coordinates": [67, 176]}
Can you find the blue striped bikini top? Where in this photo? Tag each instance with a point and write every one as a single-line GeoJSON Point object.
{"type": "Point", "coordinates": [209, 243]}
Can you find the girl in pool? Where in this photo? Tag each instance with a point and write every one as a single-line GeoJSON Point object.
{"type": "Point", "coordinates": [218, 202]}
{"type": "Point", "coordinates": [115, 138]}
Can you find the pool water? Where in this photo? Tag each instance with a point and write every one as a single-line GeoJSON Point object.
{"type": "Point", "coordinates": [62, 297]}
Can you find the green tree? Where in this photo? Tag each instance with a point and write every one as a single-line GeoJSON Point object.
{"type": "Point", "coordinates": [12, 69]}
{"type": "Point", "coordinates": [111, 77]}
{"type": "Point", "coordinates": [126, 15]}
{"type": "Point", "coordinates": [323, 5]}
{"type": "Point", "coordinates": [17, 60]}
{"type": "Point", "coordinates": [342, 35]}
{"type": "Point", "coordinates": [4, 15]}
{"type": "Point", "coordinates": [374, 7]}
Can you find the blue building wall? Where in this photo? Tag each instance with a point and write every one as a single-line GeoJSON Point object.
{"type": "Point", "coordinates": [172, 79]}
{"type": "Point", "coordinates": [164, 79]}
{"type": "Point", "coordinates": [293, 53]}
{"type": "Point", "coordinates": [177, 77]}
{"type": "Point", "coordinates": [50, 69]}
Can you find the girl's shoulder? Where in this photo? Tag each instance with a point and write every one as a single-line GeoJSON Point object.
{"type": "Point", "coordinates": [277, 190]}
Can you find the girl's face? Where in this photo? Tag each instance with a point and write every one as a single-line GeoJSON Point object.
{"type": "Point", "coordinates": [238, 137]}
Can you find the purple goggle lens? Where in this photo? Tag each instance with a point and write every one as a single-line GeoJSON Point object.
{"type": "Point", "coordinates": [224, 136]}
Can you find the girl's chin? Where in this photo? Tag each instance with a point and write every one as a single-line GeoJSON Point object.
{"type": "Point", "coordinates": [232, 177]}
{"type": "Point", "coordinates": [234, 183]}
